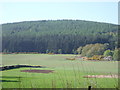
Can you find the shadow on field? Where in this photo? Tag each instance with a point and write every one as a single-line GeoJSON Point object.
{"type": "Point", "coordinates": [8, 81]}
{"type": "Point", "coordinates": [9, 77]}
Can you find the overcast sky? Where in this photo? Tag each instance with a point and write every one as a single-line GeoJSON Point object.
{"type": "Point", "coordinates": [27, 11]}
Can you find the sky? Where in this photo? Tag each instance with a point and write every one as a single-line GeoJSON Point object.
{"type": "Point", "coordinates": [32, 11]}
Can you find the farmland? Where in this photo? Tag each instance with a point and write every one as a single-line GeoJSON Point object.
{"type": "Point", "coordinates": [66, 73]}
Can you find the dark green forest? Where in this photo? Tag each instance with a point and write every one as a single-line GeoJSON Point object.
{"type": "Point", "coordinates": [56, 36]}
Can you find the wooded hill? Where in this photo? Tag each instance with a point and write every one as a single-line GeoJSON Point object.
{"type": "Point", "coordinates": [56, 36]}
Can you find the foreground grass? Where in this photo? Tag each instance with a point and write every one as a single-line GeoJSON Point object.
{"type": "Point", "coordinates": [58, 79]}
{"type": "Point", "coordinates": [67, 74]}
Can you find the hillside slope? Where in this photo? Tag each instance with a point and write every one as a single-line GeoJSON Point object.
{"type": "Point", "coordinates": [55, 35]}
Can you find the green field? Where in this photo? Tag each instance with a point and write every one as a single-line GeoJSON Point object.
{"type": "Point", "coordinates": [67, 74]}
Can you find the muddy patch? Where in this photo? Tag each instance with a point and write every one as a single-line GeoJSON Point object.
{"type": "Point", "coordinates": [102, 76]}
{"type": "Point", "coordinates": [38, 71]}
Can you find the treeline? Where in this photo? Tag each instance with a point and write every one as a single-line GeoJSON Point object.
{"type": "Point", "coordinates": [56, 36]}
{"type": "Point", "coordinates": [91, 50]}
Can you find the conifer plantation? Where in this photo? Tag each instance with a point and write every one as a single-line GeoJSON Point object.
{"type": "Point", "coordinates": [57, 36]}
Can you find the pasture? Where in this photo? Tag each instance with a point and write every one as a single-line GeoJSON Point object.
{"type": "Point", "coordinates": [66, 73]}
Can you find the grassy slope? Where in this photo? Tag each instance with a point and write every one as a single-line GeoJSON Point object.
{"type": "Point", "coordinates": [67, 73]}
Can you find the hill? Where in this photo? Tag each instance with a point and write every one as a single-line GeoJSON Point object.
{"type": "Point", "coordinates": [56, 36]}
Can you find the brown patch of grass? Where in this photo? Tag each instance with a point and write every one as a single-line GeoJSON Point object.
{"type": "Point", "coordinates": [102, 76]}
{"type": "Point", "coordinates": [38, 71]}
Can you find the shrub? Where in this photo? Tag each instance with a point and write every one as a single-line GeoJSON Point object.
{"type": "Point", "coordinates": [108, 53]}
{"type": "Point", "coordinates": [116, 55]}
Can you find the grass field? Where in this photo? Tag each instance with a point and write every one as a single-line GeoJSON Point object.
{"type": "Point", "coordinates": [67, 74]}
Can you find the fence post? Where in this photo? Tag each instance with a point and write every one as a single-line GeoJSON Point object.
{"type": "Point", "coordinates": [89, 87]}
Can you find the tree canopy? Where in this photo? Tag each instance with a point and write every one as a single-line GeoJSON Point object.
{"type": "Point", "coordinates": [56, 36]}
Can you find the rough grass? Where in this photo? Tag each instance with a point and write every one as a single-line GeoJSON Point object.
{"type": "Point", "coordinates": [67, 74]}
